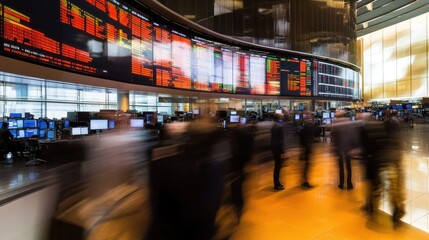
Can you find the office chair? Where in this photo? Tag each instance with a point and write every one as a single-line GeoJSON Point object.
{"type": "Point", "coordinates": [33, 149]}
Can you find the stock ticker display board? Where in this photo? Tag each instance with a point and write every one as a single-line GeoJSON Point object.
{"type": "Point", "coordinates": [113, 40]}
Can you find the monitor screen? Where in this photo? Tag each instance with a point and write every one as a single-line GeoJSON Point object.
{"type": "Point", "coordinates": [31, 132]}
{"type": "Point", "coordinates": [136, 123]}
{"type": "Point", "coordinates": [16, 115]}
{"type": "Point", "coordinates": [43, 124]}
{"type": "Point", "coordinates": [297, 116]}
{"type": "Point", "coordinates": [20, 123]}
{"type": "Point", "coordinates": [50, 134]}
{"type": "Point", "coordinates": [30, 123]}
{"type": "Point", "coordinates": [20, 133]}
{"type": "Point", "coordinates": [51, 124]}
{"type": "Point", "coordinates": [84, 130]}
{"type": "Point", "coordinates": [233, 112]}
{"type": "Point", "coordinates": [234, 118]}
{"type": "Point", "coordinates": [243, 120]}
{"type": "Point", "coordinates": [12, 123]}
{"type": "Point", "coordinates": [66, 123]}
{"type": "Point", "coordinates": [42, 133]}
{"type": "Point", "coordinates": [279, 111]}
{"type": "Point", "coordinates": [111, 123]}
{"type": "Point", "coordinates": [326, 115]}
{"type": "Point", "coordinates": [196, 111]}
{"type": "Point", "coordinates": [79, 131]}
{"type": "Point", "coordinates": [332, 114]}
{"type": "Point", "coordinates": [98, 124]}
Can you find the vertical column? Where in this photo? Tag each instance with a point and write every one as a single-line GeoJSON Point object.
{"type": "Point", "coordinates": [123, 100]}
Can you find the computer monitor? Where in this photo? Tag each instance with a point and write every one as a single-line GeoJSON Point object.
{"type": "Point", "coordinates": [84, 130]}
{"type": "Point", "coordinates": [111, 123]}
{"type": "Point", "coordinates": [98, 124]}
{"type": "Point", "coordinates": [15, 115]}
{"type": "Point", "coordinates": [297, 116]}
{"type": "Point", "coordinates": [243, 120]}
{"type": "Point", "coordinates": [42, 133]}
{"type": "Point", "coordinates": [332, 114]}
{"type": "Point", "coordinates": [326, 115]}
{"type": "Point", "coordinates": [51, 124]}
{"type": "Point", "coordinates": [20, 133]}
{"type": "Point", "coordinates": [43, 125]}
{"type": "Point", "coordinates": [19, 123]}
{"type": "Point", "coordinates": [233, 112]}
{"type": "Point", "coordinates": [66, 123]}
{"type": "Point", "coordinates": [136, 123]}
{"type": "Point", "coordinates": [13, 124]}
{"type": "Point", "coordinates": [196, 111]}
{"type": "Point", "coordinates": [30, 132]}
{"type": "Point", "coordinates": [75, 131]}
{"type": "Point", "coordinates": [30, 123]}
{"type": "Point", "coordinates": [279, 111]}
{"type": "Point", "coordinates": [50, 134]}
{"type": "Point", "coordinates": [234, 118]}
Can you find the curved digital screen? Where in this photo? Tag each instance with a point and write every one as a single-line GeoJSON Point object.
{"type": "Point", "coordinates": [113, 40]}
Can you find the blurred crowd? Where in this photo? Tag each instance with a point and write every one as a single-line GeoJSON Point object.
{"type": "Point", "coordinates": [173, 181]}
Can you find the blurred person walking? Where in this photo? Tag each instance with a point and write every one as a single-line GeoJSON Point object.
{"type": "Point", "coordinates": [306, 139]}
{"type": "Point", "coordinates": [277, 149]}
{"type": "Point", "coordinates": [345, 133]}
{"type": "Point", "coordinates": [383, 148]}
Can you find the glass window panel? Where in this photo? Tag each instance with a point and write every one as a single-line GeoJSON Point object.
{"type": "Point", "coordinates": [377, 91]}
{"type": "Point", "coordinates": [403, 38]}
{"type": "Point", "coordinates": [34, 108]}
{"type": "Point", "coordinates": [165, 110]}
{"type": "Point", "coordinates": [376, 42]}
{"type": "Point", "coordinates": [35, 92]}
{"type": "Point", "coordinates": [404, 88]}
{"type": "Point", "coordinates": [403, 66]}
{"type": "Point", "coordinates": [389, 37]}
{"type": "Point", "coordinates": [377, 73]}
{"type": "Point", "coordinates": [62, 92]}
{"type": "Point", "coordinates": [91, 107]}
{"type": "Point", "coordinates": [419, 88]}
{"type": "Point", "coordinates": [419, 66]}
{"type": "Point", "coordinates": [93, 95]}
{"type": "Point", "coordinates": [367, 93]}
{"type": "Point", "coordinates": [59, 110]}
{"type": "Point", "coordinates": [418, 28]}
{"type": "Point", "coordinates": [389, 90]}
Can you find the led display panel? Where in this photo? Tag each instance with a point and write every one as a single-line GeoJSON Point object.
{"type": "Point", "coordinates": [257, 74]}
{"type": "Point", "coordinates": [241, 73]}
{"type": "Point", "coordinates": [202, 65]}
{"type": "Point", "coordinates": [334, 80]}
{"type": "Point", "coordinates": [180, 61]}
{"type": "Point", "coordinates": [273, 75]}
{"type": "Point", "coordinates": [228, 73]}
{"type": "Point", "coordinates": [162, 56]}
{"type": "Point", "coordinates": [141, 49]}
{"type": "Point", "coordinates": [295, 77]}
{"type": "Point", "coordinates": [218, 70]}
{"type": "Point", "coordinates": [113, 39]}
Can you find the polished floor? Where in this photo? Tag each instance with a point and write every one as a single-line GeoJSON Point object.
{"type": "Point", "coordinates": [323, 212]}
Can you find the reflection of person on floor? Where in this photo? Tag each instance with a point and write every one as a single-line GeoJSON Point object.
{"type": "Point", "coordinates": [382, 142]}
{"type": "Point", "coordinates": [277, 148]}
{"type": "Point", "coordinates": [306, 141]}
{"type": "Point", "coordinates": [7, 139]}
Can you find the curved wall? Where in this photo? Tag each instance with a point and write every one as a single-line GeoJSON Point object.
{"type": "Point", "coordinates": [115, 40]}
